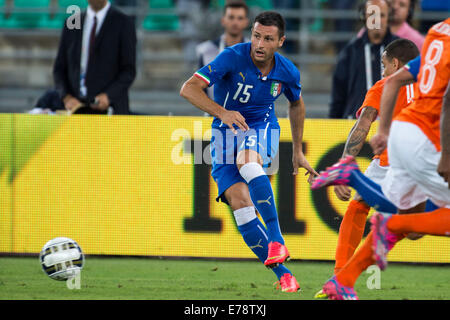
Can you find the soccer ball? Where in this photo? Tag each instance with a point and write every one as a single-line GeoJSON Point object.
{"type": "Point", "coordinates": [61, 258]}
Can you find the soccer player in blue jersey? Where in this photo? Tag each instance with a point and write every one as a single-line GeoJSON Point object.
{"type": "Point", "coordinates": [248, 78]}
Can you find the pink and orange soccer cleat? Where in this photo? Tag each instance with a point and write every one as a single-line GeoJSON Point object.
{"type": "Point", "coordinates": [337, 174]}
{"type": "Point", "coordinates": [278, 253]}
{"type": "Point", "coordinates": [288, 283]}
{"type": "Point", "coordinates": [383, 239]}
{"type": "Point", "coordinates": [336, 291]}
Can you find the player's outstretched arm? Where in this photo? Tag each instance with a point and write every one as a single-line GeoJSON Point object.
{"type": "Point", "coordinates": [444, 163]}
{"type": "Point", "coordinates": [359, 132]}
{"type": "Point", "coordinates": [388, 100]}
{"type": "Point", "coordinates": [193, 91]}
{"type": "Point", "coordinates": [353, 145]}
{"type": "Point", "coordinates": [297, 120]}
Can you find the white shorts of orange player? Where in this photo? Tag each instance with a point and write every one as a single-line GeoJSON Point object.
{"type": "Point", "coordinates": [376, 172]}
{"type": "Point", "coordinates": [412, 177]}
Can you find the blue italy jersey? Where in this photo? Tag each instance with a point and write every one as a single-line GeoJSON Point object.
{"type": "Point", "coordinates": [414, 67]}
{"type": "Point", "coordinates": [240, 86]}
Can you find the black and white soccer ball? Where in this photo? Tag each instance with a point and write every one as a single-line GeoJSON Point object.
{"type": "Point", "coordinates": [61, 258]}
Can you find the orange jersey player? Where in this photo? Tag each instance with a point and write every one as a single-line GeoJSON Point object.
{"type": "Point", "coordinates": [419, 144]}
{"type": "Point", "coordinates": [373, 99]}
{"type": "Point", "coordinates": [351, 231]}
{"type": "Point", "coordinates": [420, 124]}
{"type": "Point", "coordinates": [419, 161]}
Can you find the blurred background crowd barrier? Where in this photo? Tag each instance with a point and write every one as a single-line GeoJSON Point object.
{"type": "Point", "coordinates": [167, 32]}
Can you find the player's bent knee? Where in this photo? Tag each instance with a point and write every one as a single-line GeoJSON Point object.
{"type": "Point", "coordinates": [251, 170]}
{"type": "Point", "coordinates": [238, 196]}
{"type": "Point", "coordinates": [237, 203]}
{"type": "Point", "coordinates": [247, 156]}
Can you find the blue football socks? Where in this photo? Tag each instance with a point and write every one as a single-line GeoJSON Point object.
{"type": "Point", "coordinates": [262, 197]}
{"type": "Point", "coordinates": [256, 238]}
{"type": "Point", "coordinates": [371, 192]}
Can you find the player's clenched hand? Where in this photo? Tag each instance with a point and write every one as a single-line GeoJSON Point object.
{"type": "Point", "coordinates": [231, 118]}
{"type": "Point", "coordinates": [444, 168]}
{"type": "Point", "coordinates": [299, 161]}
{"type": "Point", "coordinates": [344, 193]}
{"type": "Point", "coordinates": [379, 143]}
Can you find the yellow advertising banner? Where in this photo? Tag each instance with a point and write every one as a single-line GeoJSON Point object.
{"type": "Point", "coordinates": [128, 185]}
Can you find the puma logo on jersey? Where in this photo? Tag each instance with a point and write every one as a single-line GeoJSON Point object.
{"type": "Point", "coordinates": [264, 201]}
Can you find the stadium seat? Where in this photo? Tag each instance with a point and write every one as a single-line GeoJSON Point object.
{"type": "Point", "coordinates": [2, 8]}
{"type": "Point", "coordinates": [21, 20]}
{"type": "Point", "coordinates": [318, 23]}
{"type": "Point", "coordinates": [262, 4]}
{"type": "Point", "coordinates": [2, 12]}
{"type": "Point", "coordinates": [66, 3]}
{"type": "Point", "coordinates": [158, 22]}
{"type": "Point", "coordinates": [57, 21]}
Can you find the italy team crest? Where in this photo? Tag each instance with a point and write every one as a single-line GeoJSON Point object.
{"type": "Point", "coordinates": [275, 89]}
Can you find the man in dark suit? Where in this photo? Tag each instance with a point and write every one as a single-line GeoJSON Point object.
{"type": "Point", "coordinates": [96, 64]}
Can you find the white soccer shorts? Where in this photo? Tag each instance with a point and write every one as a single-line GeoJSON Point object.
{"type": "Point", "coordinates": [375, 172]}
{"type": "Point", "coordinates": [412, 176]}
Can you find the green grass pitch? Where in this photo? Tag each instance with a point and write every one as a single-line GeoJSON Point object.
{"type": "Point", "coordinates": [159, 279]}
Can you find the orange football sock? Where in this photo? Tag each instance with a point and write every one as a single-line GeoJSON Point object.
{"type": "Point", "coordinates": [436, 223]}
{"type": "Point", "coordinates": [350, 232]}
{"type": "Point", "coordinates": [359, 262]}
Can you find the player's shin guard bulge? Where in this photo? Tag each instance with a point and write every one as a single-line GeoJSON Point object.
{"type": "Point", "coordinates": [436, 222]}
{"type": "Point", "coordinates": [350, 232]}
{"type": "Point", "coordinates": [262, 197]}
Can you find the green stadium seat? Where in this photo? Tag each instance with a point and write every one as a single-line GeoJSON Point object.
{"type": "Point", "coordinates": [263, 4]}
{"type": "Point", "coordinates": [159, 22]}
{"type": "Point", "coordinates": [2, 14]}
{"type": "Point", "coordinates": [66, 3]}
{"type": "Point", "coordinates": [2, 8]}
{"type": "Point", "coordinates": [161, 4]}
{"type": "Point", "coordinates": [21, 20]}
{"type": "Point", "coordinates": [57, 20]}
{"type": "Point", "coordinates": [318, 24]}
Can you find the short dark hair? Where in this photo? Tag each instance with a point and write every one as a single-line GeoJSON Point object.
{"type": "Point", "coordinates": [272, 18]}
{"type": "Point", "coordinates": [402, 49]}
{"type": "Point", "coordinates": [236, 4]}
